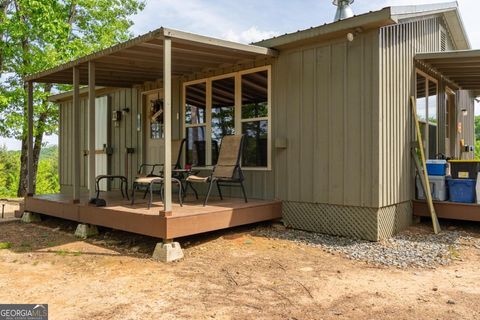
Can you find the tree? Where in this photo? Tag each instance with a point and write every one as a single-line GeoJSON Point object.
{"type": "Point", "coordinates": [39, 34]}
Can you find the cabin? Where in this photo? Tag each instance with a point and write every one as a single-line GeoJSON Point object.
{"type": "Point", "coordinates": [325, 112]}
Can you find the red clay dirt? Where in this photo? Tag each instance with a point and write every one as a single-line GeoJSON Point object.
{"type": "Point", "coordinates": [225, 275]}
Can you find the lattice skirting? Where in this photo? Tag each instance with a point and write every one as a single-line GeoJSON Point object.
{"type": "Point", "coordinates": [355, 222]}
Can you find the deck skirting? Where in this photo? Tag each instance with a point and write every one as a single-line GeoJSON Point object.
{"type": "Point", "coordinates": [371, 224]}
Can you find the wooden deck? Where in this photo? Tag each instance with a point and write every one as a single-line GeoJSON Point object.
{"type": "Point", "coordinates": [190, 219]}
{"type": "Point", "coordinates": [448, 210]}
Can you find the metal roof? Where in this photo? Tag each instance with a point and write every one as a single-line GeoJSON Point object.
{"type": "Point", "coordinates": [141, 59]}
{"type": "Point", "coordinates": [372, 20]}
{"type": "Point", "coordinates": [461, 67]}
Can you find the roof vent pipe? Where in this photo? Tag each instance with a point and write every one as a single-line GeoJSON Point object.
{"type": "Point", "coordinates": [344, 11]}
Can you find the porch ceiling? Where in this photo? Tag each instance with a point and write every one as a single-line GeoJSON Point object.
{"type": "Point", "coordinates": [141, 59]}
{"type": "Point", "coordinates": [461, 67]}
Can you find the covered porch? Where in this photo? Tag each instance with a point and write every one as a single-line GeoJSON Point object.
{"type": "Point", "coordinates": [159, 56]}
{"type": "Point", "coordinates": [460, 69]}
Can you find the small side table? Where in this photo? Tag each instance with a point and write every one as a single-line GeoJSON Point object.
{"type": "Point", "coordinates": [123, 184]}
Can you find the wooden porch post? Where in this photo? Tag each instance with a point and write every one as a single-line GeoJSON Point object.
{"type": "Point", "coordinates": [76, 135]}
{"type": "Point", "coordinates": [30, 139]}
{"type": "Point", "coordinates": [167, 114]}
{"type": "Point", "coordinates": [91, 130]}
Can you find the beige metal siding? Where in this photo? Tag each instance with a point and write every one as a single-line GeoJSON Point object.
{"type": "Point", "coordinates": [123, 136]}
{"type": "Point", "coordinates": [398, 45]}
{"type": "Point", "coordinates": [341, 106]}
{"type": "Point", "coordinates": [324, 105]}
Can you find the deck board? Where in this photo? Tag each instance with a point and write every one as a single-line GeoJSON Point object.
{"type": "Point", "coordinates": [448, 210]}
{"type": "Point", "coordinates": [192, 218]}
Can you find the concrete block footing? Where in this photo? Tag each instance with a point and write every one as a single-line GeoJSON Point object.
{"type": "Point", "coordinates": [167, 252]}
{"type": "Point", "coordinates": [85, 231]}
{"type": "Point", "coordinates": [29, 217]}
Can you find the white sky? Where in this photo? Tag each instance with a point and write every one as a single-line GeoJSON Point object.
{"type": "Point", "coordinates": [252, 20]}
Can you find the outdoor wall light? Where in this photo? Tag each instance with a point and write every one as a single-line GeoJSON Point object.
{"type": "Point", "coordinates": [351, 35]}
{"type": "Point", "coordinates": [464, 112]}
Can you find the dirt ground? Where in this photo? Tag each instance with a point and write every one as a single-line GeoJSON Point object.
{"type": "Point", "coordinates": [225, 275]}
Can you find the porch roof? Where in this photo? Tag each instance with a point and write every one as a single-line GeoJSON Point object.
{"type": "Point", "coordinates": [462, 67]}
{"type": "Point", "coordinates": [141, 59]}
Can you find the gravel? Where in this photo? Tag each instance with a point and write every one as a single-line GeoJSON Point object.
{"type": "Point", "coordinates": [406, 250]}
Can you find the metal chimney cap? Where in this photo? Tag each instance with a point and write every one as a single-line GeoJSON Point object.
{"type": "Point", "coordinates": [336, 2]}
{"type": "Point", "coordinates": [344, 11]}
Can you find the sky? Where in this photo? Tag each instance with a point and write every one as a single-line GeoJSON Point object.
{"type": "Point", "coordinates": [252, 20]}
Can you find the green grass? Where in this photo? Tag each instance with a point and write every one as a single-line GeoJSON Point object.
{"type": "Point", "coordinates": [64, 253]}
{"type": "Point", "coordinates": [5, 245]}
{"type": "Point", "coordinates": [61, 253]}
{"type": "Point", "coordinates": [453, 252]}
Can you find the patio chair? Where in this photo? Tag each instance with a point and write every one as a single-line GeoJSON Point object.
{"type": "Point", "coordinates": [175, 144]}
{"type": "Point", "coordinates": [227, 171]}
{"type": "Point", "coordinates": [151, 179]}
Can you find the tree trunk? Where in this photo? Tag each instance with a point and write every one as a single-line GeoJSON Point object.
{"type": "Point", "coordinates": [37, 148]}
{"type": "Point", "coordinates": [22, 184]}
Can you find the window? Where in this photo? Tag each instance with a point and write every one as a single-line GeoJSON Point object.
{"type": "Point", "coordinates": [156, 119]}
{"type": "Point", "coordinates": [255, 118]}
{"type": "Point", "coordinates": [223, 112]}
{"type": "Point", "coordinates": [427, 113]}
{"type": "Point", "coordinates": [195, 123]}
{"type": "Point", "coordinates": [225, 105]}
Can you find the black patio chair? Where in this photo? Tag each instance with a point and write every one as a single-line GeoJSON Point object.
{"type": "Point", "coordinates": [152, 179]}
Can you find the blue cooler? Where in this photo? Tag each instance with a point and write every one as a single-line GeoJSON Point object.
{"type": "Point", "coordinates": [462, 190]}
{"type": "Point", "coordinates": [437, 167]}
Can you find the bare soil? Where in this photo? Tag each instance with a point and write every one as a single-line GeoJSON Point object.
{"type": "Point", "coordinates": [225, 275]}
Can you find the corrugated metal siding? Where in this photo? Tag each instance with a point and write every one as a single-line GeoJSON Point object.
{"type": "Point", "coordinates": [398, 45]}
{"type": "Point", "coordinates": [342, 107]}
{"type": "Point", "coordinates": [121, 137]}
{"type": "Point", "coordinates": [324, 104]}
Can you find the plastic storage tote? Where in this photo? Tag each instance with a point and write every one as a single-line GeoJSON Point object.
{"type": "Point", "coordinates": [462, 190]}
{"type": "Point", "coordinates": [437, 167]}
{"type": "Point", "coordinates": [438, 188]}
{"type": "Point", "coordinates": [464, 169]}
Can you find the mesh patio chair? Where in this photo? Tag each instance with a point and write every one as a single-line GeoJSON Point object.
{"type": "Point", "coordinates": [147, 182]}
{"type": "Point", "coordinates": [227, 171]}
